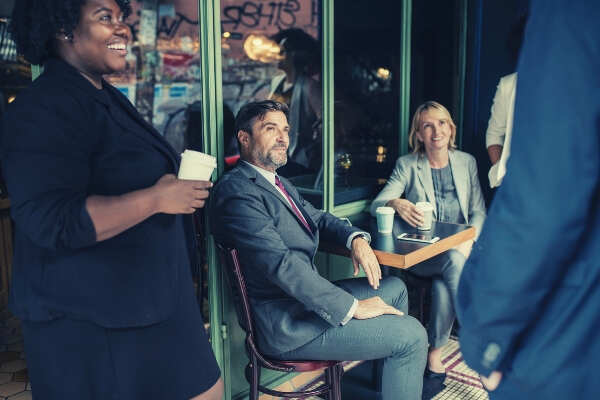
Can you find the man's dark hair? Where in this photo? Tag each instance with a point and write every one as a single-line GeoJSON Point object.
{"type": "Point", "coordinates": [35, 24]}
{"type": "Point", "coordinates": [258, 109]}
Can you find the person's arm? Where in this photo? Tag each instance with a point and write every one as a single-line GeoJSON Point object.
{"type": "Point", "coordinates": [476, 203]}
{"type": "Point", "coordinates": [391, 193]}
{"type": "Point", "coordinates": [496, 130]}
{"type": "Point", "coordinates": [332, 229]}
{"type": "Point", "coordinates": [393, 189]}
{"type": "Point", "coordinates": [540, 216]}
{"type": "Point", "coordinates": [112, 215]}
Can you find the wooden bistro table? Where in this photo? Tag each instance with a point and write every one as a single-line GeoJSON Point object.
{"type": "Point", "coordinates": [403, 254]}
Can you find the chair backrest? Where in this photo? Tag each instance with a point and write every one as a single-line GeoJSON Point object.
{"type": "Point", "coordinates": [231, 262]}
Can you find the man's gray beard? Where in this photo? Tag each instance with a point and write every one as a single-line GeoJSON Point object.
{"type": "Point", "coordinates": [269, 160]}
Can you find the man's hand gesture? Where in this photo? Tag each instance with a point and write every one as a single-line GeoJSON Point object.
{"type": "Point", "coordinates": [362, 254]}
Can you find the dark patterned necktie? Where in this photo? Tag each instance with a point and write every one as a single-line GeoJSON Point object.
{"type": "Point", "coordinates": [294, 208]}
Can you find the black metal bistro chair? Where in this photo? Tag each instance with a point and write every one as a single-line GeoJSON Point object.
{"type": "Point", "coordinates": [333, 369]}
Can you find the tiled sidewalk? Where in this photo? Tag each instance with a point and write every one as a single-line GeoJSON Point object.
{"type": "Point", "coordinates": [461, 382]}
{"type": "Point", "coordinates": [14, 383]}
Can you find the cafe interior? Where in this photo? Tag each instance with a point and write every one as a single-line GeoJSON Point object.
{"type": "Point", "coordinates": [194, 63]}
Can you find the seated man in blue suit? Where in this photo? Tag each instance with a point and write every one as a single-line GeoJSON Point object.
{"type": "Point", "coordinates": [298, 313]}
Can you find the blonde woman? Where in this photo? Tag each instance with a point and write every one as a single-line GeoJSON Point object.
{"type": "Point", "coordinates": [447, 178]}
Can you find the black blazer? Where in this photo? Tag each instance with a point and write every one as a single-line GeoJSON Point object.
{"type": "Point", "coordinates": [62, 141]}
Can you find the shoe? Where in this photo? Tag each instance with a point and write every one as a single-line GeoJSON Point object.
{"type": "Point", "coordinates": [433, 383]}
{"type": "Point", "coordinates": [434, 375]}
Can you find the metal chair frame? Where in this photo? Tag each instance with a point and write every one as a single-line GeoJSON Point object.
{"type": "Point", "coordinates": [333, 369]}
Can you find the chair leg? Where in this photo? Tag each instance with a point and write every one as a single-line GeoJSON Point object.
{"type": "Point", "coordinates": [422, 294]}
{"type": "Point", "coordinates": [377, 374]}
{"type": "Point", "coordinates": [335, 381]}
{"type": "Point", "coordinates": [255, 370]}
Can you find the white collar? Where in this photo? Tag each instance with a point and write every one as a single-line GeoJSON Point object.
{"type": "Point", "coordinates": [268, 175]}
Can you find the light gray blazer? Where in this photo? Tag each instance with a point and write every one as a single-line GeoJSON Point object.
{"type": "Point", "coordinates": [412, 178]}
{"type": "Point", "coordinates": [291, 303]}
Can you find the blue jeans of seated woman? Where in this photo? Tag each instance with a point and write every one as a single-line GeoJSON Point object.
{"type": "Point", "coordinates": [445, 270]}
{"type": "Point", "coordinates": [400, 341]}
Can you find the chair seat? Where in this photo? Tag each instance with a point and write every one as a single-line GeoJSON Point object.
{"type": "Point", "coordinates": [308, 365]}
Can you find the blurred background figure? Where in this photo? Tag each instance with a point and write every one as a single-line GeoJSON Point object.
{"type": "Point", "coordinates": [499, 131]}
{"type": "Point", "coordinates": [299, 88]}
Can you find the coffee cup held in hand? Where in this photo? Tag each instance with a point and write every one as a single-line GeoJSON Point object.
{"type": "Point", "coordinates": [385, 219]}
{"type": "Point", "coordinates": [196, 166]}
{"type": "Point", "coordinates": [427, 210]}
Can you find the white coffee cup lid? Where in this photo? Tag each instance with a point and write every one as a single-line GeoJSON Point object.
{"type": "Point", "coordinates": [384, 210]}
{"type": "Point", "coordinates": [424, 206]}
{"type": "Point", "coordinates": [200, 157]}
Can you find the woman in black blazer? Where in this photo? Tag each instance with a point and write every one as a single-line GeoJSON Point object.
{"type": "Point", "coordinates": [103, 232]}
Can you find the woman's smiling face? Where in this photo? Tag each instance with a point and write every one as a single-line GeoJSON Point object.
{"type": "Point", "coordinates": [434, 130]}
{"type": "Point", "coordinates": [99, 42]}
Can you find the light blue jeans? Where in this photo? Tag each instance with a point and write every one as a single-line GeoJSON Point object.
{"type": "Point", "coordinates": [445, 270]}
{"type": "Point", "coordinates": [400, 341]}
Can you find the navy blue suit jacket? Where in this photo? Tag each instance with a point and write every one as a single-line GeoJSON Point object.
{"type": "Point", "coordinates": [529, 296]}
{"type": "Point", "coordinates": [292, 304]}
{"type": "Point", "coordinates": [62, 141]}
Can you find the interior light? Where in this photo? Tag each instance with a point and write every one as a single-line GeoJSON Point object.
{"type": "Point", "coordinates": [12, 98]}
{"type": "Point", "coordinates": [226, 35]}
{"type": "Point", "coordinates": [383, 73]}
{"type": "Point", "coordinates": [260, 48]}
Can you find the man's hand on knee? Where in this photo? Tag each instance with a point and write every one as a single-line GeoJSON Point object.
{"type": "Point", "coordinates": [374, 307]}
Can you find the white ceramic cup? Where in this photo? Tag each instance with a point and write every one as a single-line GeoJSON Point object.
{"type": "Point", "coordinates": [385, 219]}
{"type": "Point", "coordinates": [427, 209]}
{"type": "Point", "coordinates": [196, 166]}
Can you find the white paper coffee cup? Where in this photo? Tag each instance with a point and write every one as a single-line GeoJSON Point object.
{"type": "Point", "coordinates": [427, 209]}
{"type": "Point", "coordinates": [196, 166]}
{"type": "Point", "coordinates": [385, 219]}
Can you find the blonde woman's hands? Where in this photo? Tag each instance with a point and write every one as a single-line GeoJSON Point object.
{"type": "Point", "coordinates": [178, 196]}
{"type": "Point", "coordinates": [407, 211]}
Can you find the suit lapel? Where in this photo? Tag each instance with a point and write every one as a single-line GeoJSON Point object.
{"type": "Point", "coordinates": [424, 174]}
{"type": "Point", "coordinates": [149, 133]}
{"type": "Point", "coordinates": [459, 172]}
{"type": "Point", "coordinates": [266, 185]}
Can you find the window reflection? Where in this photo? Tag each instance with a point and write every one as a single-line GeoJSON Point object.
{"type": "Point", "coordinates": [271, 50]}
{"type": "Point", "coordinates": [163, 75]}
{"type": "Point", "coordinates": [367, 62]}
{"type": "Point", "coordinates": [15, 72]}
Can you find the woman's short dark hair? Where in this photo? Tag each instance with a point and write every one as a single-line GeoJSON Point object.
{"type": "Point", "coordinates": [258, 109]}
{"type": "Point", "coordinates": [35, 24]}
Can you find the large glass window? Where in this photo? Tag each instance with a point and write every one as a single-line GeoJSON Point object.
{"type": "Point", "coordinates": [271, 50]}
{"type": "Point", "coordinates": [367, 63]}
{"type": "Point", "coordinates": [163, 75]}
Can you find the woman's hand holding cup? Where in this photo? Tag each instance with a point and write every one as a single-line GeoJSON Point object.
{"type": "Point", "coordinates": [407, 211]}
{"type": "Point", "coordinates": [178, 196]}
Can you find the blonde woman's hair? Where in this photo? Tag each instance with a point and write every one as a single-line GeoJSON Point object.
{"type": "Point", "coordinates": [415, 143]}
